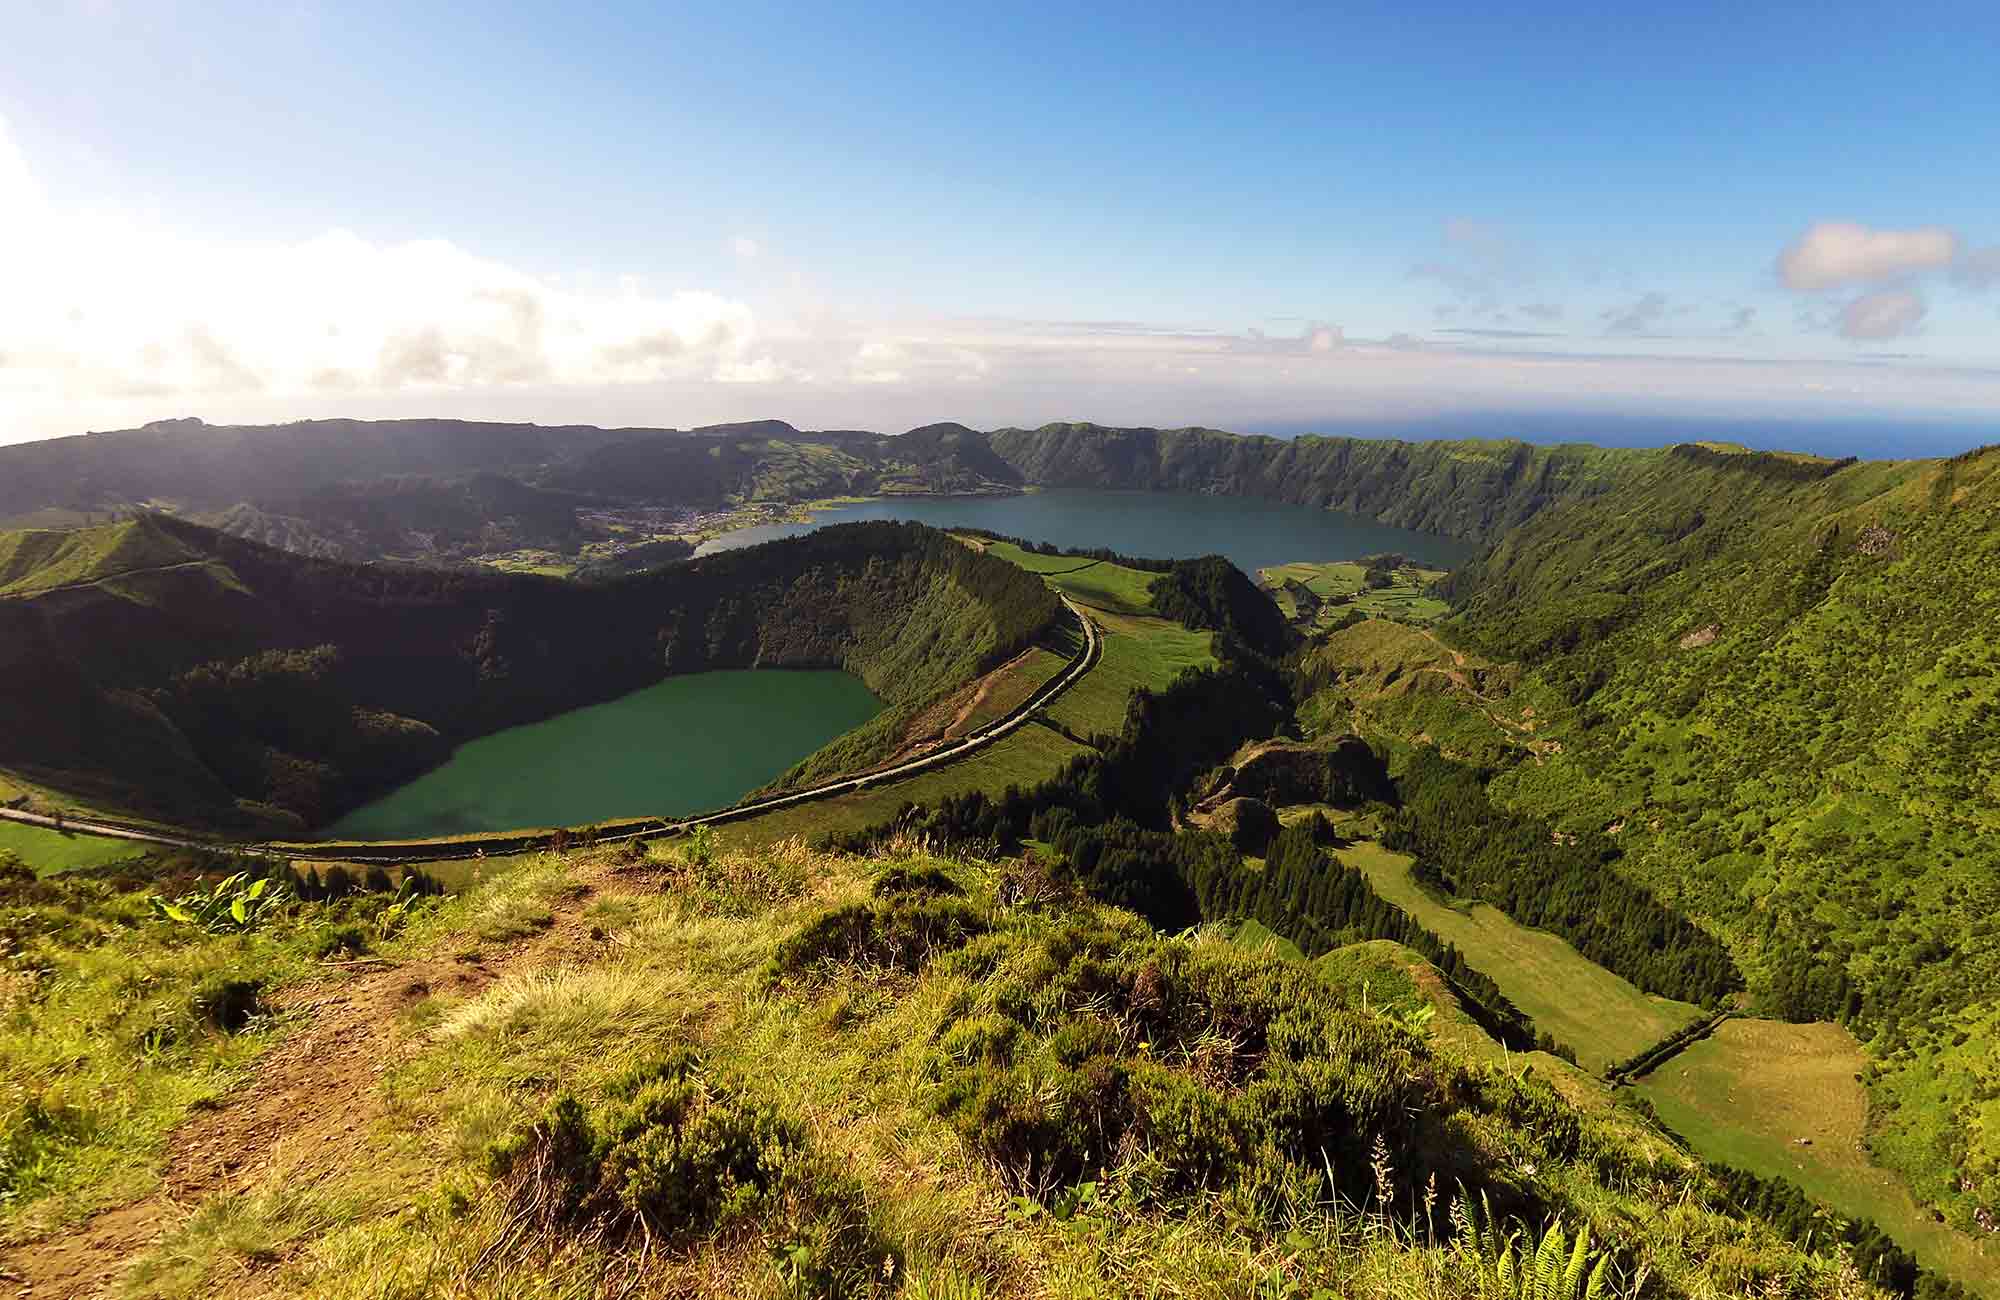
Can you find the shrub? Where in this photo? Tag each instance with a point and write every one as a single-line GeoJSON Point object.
{"type": "Point", "coordinates": [899, 933]}
{"type": "Point", "coordinates": [1195, 1069]}
{"type": "Point", "coordinates": [674, 1155]}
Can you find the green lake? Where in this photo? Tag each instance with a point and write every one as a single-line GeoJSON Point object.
{"type": "Point", "coordinates": [688, 744]}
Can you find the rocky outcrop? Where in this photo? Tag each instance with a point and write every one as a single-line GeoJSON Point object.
{"type": "Point", "coordinates": [1343, 772]}
{"type": "Point", "coordinates": [1250, 824]}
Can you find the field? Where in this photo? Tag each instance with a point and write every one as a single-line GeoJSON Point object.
{"type": "Point", "coordinates": [1746, 1095]}
{"type": "Point", "coordinates": [1138, 653]}
{"type": "Point", "coordinates": [546, 563]}
{"type": "Point", "coordinates": [1583, 1005]}
{"type": "Point", "coordinates": [47, 852]}
{"type": "Point", "coordinates": [1343, 581]}
{"type": "Point", "coordinates": [1099, 584]}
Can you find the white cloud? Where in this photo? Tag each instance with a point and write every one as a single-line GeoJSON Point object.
{"type": "Point", "coordinates": [745, 248]}
{"type": "Point", "coordinates": [98, 306]}
{"type": "Point", "coordinates": [1833, 253]}
{"type": "Point", "coordinates": [1886, 315]}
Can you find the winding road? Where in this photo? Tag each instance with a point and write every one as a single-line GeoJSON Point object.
{"type": "Point", "coordinates": [390, 853]}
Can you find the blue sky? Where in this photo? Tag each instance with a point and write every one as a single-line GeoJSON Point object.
{"type": "Point", "coordinates": [1253, 215]}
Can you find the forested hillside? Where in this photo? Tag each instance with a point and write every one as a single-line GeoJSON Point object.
{"type": "Point", "coordinates": [1471, 489]}
{"type": "Point", "coordinates": [1773, 683]}
{"type": "Point", "coordinates": [162, 665]}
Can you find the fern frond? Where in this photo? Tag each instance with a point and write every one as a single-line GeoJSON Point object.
{"type": "Point", "coordinates": [1579, 1256]}
{"type": "Point", "coordinates": [1599, 1288]}
{"type": "Point", "coordinates": [1548, 1263]}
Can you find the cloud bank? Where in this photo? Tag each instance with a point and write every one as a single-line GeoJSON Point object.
{"type": "Point", "coordinates": [108, 321]}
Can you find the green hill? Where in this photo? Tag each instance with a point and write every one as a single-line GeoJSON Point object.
{"type": "Point", "coordinates": [1770, 685]}
{"type": "Point", "coordinates": [161, 666]}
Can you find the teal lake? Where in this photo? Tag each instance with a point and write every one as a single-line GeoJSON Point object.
{"type": "Point", "coordinates": [1162, 525]}
{"type": "Point", "coordinates": [688, 744]}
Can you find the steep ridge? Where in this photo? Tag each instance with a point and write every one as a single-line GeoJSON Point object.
{"type": "Point", "coordinates": [246, 684]}
{"type": "Point", "coordinates": [1774, 683]}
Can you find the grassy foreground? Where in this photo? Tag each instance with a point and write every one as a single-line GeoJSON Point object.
{"type": "Point", "coordinates": [782, 1073]}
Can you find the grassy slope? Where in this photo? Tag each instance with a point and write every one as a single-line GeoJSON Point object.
{"type": "Point", "coordinates": [1600, 1015]}
{"type": "Point", "coordinates": [1027, 757]}
{"type": "Point", "coordinates": [1402, 685]}
{"type": "Point", "coordinates": [1744, 1097]}
{"type": "Point", "coordinates": [1138, 653]}
{"type": "Point", "coordinates": [1011, 689]}
{"type": "Point", "coordinates": [1100, 584]}
{"type": "Point", "coordinates": [37, 561]}
{"type": "Point", "coordinates": [1140, 650]}
{"type": "Point", "coordinates": [676, 956]}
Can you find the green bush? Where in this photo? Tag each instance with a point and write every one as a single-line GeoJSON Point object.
{"type": "Point", "coordinates": [1093, 1046]}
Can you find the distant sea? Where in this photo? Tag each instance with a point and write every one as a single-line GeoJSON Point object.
{"type": "Point", "coordinates": [1870, 438]}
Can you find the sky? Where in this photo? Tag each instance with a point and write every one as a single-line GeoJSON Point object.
{"type": "Point", "coordinates": [1257, 216]}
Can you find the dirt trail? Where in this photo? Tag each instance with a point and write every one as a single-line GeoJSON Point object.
{"type": "Point", "coordinates": [314, 1095]}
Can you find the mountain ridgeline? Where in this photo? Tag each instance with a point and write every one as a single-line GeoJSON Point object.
{"type": "Point", "coordinates": [161, 665]}
{"type": "Point", "coordinates": [449, 488]}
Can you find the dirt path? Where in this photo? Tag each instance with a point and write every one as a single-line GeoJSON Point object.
{"type": "Point", "coordinates": [315, 1096]}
